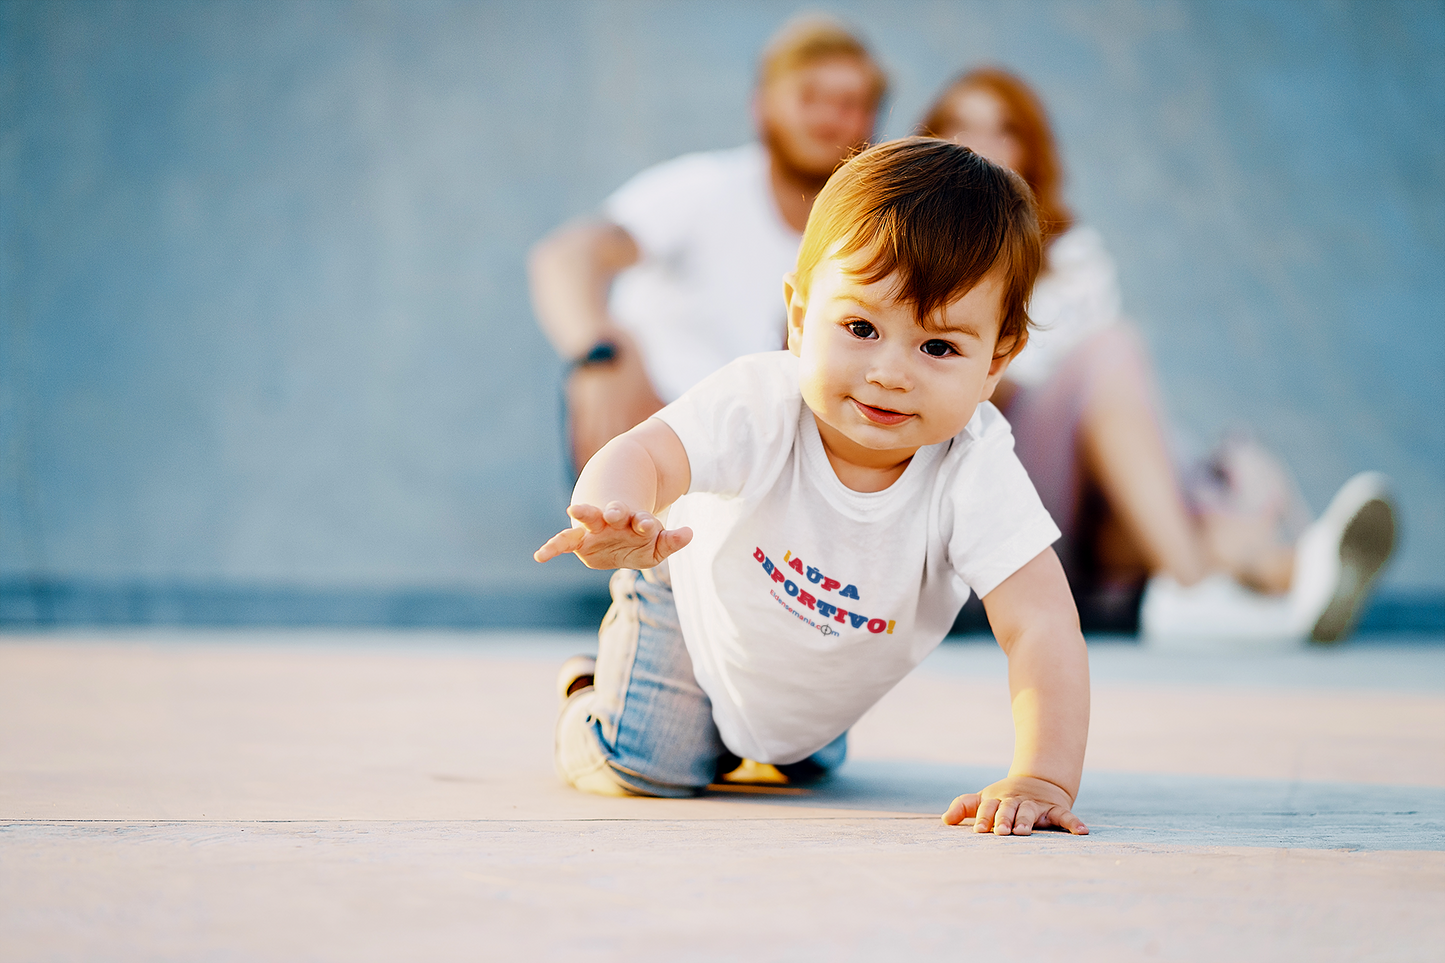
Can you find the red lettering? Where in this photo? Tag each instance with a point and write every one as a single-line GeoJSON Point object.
{"type": "Point", "coordinates": [876, 625]}
{"type": "Point", "coordinates": [797, 565]}
{"type": "Point", "coordinates": [758, 554]}
{"type": "Point", "coordinates": [829, 584]}
{"type": "Point", "coordinates": [777, 576]}
{"type": "Point", "coordinates": [806, 599]}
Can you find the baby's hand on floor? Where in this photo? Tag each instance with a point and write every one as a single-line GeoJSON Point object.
{"type": "Point", "coordinates": [1016, 805]}
{"type": "Point", "coordinates": [614, 537]}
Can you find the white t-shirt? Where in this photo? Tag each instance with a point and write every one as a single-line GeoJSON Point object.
{"type": "Point", "coordinates": [709, 286]}
{"type": "Point", "coordinates": [802, 601]}
{"type": "Point", "coordinates": [1076, 296]}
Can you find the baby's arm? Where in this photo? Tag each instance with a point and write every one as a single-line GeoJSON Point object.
{"type": "Point", "coordinates": [1033, 617]}
{"type": "Point", "coordinates": [639, 472]}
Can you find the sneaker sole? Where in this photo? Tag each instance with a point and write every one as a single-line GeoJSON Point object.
{"type": "Point", "coordinates": [1368, 540]}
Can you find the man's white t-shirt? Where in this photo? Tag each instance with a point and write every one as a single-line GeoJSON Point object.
{"type": "Point", "coordinates": [709, 285]}
{"type": "Point", "coordinates": [802, 601]}
{"type": "Point", "coordinates": [1076, 296]}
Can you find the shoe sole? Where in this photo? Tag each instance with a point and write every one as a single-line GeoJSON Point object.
{"type": "Point", "coordinates": [1368, 540]}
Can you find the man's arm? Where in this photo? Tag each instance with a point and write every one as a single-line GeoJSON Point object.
{"type": "Point", "coordinates": [1033, 617]}
{"type": "Point", "coordinates": [571, 271]}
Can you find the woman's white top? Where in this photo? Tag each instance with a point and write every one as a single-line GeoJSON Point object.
{"type": "Point", "coordinates": [1076, 296]}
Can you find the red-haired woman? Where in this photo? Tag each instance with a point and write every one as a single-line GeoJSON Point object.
{"type": "Point", "coordinates": [1234, 555]}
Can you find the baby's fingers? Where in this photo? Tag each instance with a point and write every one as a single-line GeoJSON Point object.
{"type": "Point", "coordinates": [986, 812]}
{"type": "Point", "coordinates": [961, 808]}
{"type": "Point", "coordinates": [670, 542]}
{"type": "Point", "coordinates": [1064, 819]}
{"type": "Point", "coordinates": [590, 517]}
{"type": "Point", "coordinates": [1029, 815]}
{"type": "Point", "coordinates": [563, 543]}
{"type": "Point", "coordinates": [1003, 820]}
{"type": "Point", "coordinates": [617, 514]}
{"type": "Point", "coordinates": [645, 525]}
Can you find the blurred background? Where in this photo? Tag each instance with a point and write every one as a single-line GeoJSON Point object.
{"type": "Point", "coordinates": [267, 353]}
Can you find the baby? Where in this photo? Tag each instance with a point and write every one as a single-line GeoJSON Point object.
{"type": "Point", "coordinates": [831, 508]}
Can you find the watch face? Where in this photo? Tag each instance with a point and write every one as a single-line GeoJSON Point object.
{"type": "Point", "coordinates": [602, 352]}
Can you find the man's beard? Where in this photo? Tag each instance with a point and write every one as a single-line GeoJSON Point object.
{"type": "Point", "coordinates": [791, 167]}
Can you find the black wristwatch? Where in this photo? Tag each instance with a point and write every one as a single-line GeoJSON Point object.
{"type": "Point", "coordinates": [603, 352]}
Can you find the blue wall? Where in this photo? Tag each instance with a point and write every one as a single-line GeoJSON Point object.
{"type": "Point", "coordinates": [265, 327]}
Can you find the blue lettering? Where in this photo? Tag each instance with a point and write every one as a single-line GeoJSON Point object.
{"type": "Point", "coordinates": [790, 588]}
{"type": "Point", "coordinates": [851, 592]}
{"type": "Point", "coordinates": [858, 620]}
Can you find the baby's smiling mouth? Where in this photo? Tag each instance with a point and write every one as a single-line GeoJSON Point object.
{"type": "Point", "coordinates": [880, 416]}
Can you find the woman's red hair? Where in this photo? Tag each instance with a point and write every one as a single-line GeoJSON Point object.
{"type": "Point", "coordinates": [1041, 168]}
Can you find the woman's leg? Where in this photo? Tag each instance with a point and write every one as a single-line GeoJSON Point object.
{"type": "Point", "coordinates": [1095, 425]}
{"type": "Point", "coordinates": [644, 727]}
{"type": "Point", "coordinates": [1092, 426]}
{"type": "Point", "coordinates": [1122, 450]}
{"type": "Point", "coordinates": [1247, 548]}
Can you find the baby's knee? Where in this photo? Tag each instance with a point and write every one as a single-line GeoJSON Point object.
{"type": "Point", "coordinates": [583, 762]}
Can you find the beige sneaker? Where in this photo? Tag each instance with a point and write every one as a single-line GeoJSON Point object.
{"type": "Point", "coordinates": [576, 673]}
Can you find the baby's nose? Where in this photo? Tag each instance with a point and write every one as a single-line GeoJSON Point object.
{"type": "Point", "coordinates": [892, 366]}
{"type": "Point", "coordinates": [890, 375]}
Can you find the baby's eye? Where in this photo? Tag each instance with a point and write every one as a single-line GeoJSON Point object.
{"type": "Point", "coordinates": [862, 329]}
{"type": "Point", "coordinates": [938, 349]}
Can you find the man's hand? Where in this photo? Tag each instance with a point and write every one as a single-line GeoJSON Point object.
{"type": "Point", "coordinates": [604, 400]}
{"type": "Point", "coordinates": [1016, 805]}
{"type": "Point", "coordinates": [571, 272]}
{"type": "Point", "coordinates": [614, 537]}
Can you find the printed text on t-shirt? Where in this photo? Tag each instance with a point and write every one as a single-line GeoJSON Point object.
{"type": "Point", "coordinates": [824, 608]}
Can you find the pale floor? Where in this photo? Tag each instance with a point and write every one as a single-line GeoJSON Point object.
{"type": "Point", "coordinates": [305, 796]}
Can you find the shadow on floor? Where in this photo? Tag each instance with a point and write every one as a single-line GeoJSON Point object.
{"type": "Point", "coordinates": [1154, 809]}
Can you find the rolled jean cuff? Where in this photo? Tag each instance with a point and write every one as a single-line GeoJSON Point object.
{"type": "Point", "coordinates": [582, 763]}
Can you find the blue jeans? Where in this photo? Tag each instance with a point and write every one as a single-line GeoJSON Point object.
{"type": "Point", "coordinates": [645, 727]}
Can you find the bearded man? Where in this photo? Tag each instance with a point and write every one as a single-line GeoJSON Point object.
{"type": "Point", "coordinates": [682, 271]}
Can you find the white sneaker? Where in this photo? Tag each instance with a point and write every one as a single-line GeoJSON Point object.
{"type": "Point", "coordinates": [579, 668]}
{"type": "Point", "coordinates": [1339, 555]}
{"type": "Point", "coordinates": [1214, 614]}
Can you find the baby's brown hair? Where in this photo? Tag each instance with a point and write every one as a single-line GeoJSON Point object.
{"type": "Point", "coordinates": [938, 215]}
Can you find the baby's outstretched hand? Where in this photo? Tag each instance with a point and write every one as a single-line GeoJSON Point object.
{"type": "Point", "coordinates": [1016, 805]}
{"type": "Point", "coordinates": [614, 537]}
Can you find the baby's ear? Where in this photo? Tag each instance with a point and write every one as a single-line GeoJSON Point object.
{"type": "Point", "coordinates": [796, 306]}
{"type": "Point", "coordinates": [1007, 348]}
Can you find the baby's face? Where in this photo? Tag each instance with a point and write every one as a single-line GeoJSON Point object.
{"type": "Point", "coordinates": [881, 385]}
